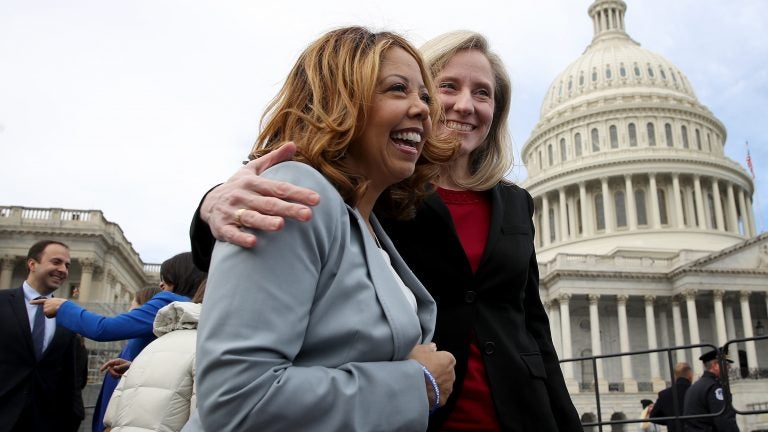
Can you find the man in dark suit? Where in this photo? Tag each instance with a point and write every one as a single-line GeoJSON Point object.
{"type": "Point", "coordinates": [667, 405]}
{"type": "Point", "coordinates": [39, 380]}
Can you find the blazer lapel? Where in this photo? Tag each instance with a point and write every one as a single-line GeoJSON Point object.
{"type": "Point", "coordinates": [19, 308]}
{"type": "Point", "coordinates": [393, 303]}
{"type": "Point", "coordinates": [426, 308]}
{"type": "Point", "coordinates": [494, 230]}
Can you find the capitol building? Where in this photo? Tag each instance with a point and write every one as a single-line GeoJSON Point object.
{"type": "Point", "coordinates": [645, 233]}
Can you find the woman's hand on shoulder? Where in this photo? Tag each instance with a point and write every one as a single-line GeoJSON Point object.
{"type": "Point", "coordinates": [247, 199]}
{"type": "Point", "coordinates": [441, 365]}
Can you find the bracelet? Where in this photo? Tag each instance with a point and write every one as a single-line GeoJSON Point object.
{"type": "Point", "coordinates": [434, 388]}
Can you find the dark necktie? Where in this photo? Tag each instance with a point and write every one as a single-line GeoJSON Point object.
{"type": "Point", "coordinates": [38, 331]}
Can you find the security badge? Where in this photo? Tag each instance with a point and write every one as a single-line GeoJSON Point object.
{"type": "Point", "coordinates": [719, 393]}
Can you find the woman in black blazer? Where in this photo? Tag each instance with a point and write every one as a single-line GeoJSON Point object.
{"type": "Point", "coordinates": [471, 245]}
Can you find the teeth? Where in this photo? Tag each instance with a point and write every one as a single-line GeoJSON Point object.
{"type": "Point", "coordinates": [461, 127]}
{"type": "Point", "coordinates": [412, 137]}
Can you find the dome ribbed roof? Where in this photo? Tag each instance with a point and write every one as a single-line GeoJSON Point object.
{"type": "Point", "coordinates": [614, 63]}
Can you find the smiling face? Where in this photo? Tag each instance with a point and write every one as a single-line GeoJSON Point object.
{"type": "Point", "coordinates": [397, 124]}
{"type": "Point", "coordinates": [466, 91]}
{"type": "Point", "coordinates": [50, 272]}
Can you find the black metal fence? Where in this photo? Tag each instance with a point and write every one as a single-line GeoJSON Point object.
{"type": "Point", "coordinates": [758, 408]}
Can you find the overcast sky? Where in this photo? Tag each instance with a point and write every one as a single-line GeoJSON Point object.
{"type": "Point", "coordinates": [137, 107]}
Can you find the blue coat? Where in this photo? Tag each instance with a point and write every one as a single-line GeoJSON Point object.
{"type": "Point", "coordinates": [310, 331]}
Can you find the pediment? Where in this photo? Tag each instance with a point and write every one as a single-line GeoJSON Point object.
{"type": "Point", "coordinates": [751, 255]}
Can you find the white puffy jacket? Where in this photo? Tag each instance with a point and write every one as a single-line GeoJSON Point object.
{"type": "Point", "coordinates": [158, 392]}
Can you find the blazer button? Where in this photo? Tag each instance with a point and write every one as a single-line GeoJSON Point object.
{"type": "Point", "coordinates": [490, 348]}
{"type": "Point", "coordinates": [470, 296]}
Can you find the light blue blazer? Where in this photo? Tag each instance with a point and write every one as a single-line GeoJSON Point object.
{"type": "Point", "coordinates": [309, 330]}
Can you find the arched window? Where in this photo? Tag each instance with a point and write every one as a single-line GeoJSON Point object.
{"type": "Point", "coordinates": [621, 210]}
{"type": "Point", "coordinates": [622, 70]}
{"type": "Point", "coordinates": [663, 75]}
{"type": "Point", "coordinates": [551, 224]}
{"type": "Point", "coordinates": [577, 143]}
{"type": "Point", "coordinates": [550, 156]}
{"type": "Point", "coordinates": [581, 79]}
{"type": "Point", "coordinates": [595, 140]}
{"type": "Point", "coordinates": [608, 74]}
{"type": "Point", "coordinates": [684, 134]}
{"type": "Point", "coordinates": [642, 218]}
{"type": "Point", "coordinates": [632, 131]}
{"type": "Point", "coordinates": [662, 198]}
{"type": "Point", "coordinates": [637, 71]}
{"type": "Point", "coordinates": [563, 152]}
{"type": "Point", "coordinates": [541, 161]}
{"type": "Point", "coordinates": [614, 136]}
{"type": "Point", "coordinates": [650, 71]}
{"type": "Point", "coordinates": [570, 84]}
{"type": "Point", "coordinates": [599, 211]}
{"type": "Point", "coordinates": [698, 139]}
{"type": "Point", "coordinates": [709, 143]}
{"type": "Point", "coordinates": [651, 134]}
{"type": "Point", "coordinates": [668, 134]}
{"type": "Point", "coordinates": [594, 74]}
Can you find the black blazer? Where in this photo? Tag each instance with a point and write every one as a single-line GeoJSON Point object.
{"type": "Point", "coordinates": [665, 405]}
{"type": "Point", "coordinates": [500, 303]}
{"type": "Point", "coordinates": [47, 392]}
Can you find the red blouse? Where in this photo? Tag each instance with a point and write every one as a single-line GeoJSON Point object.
{"type": "Point", "coordinates": [474, 410]}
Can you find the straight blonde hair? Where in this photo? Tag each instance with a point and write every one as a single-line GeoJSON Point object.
{"type": "Point", "coordinates": [493, 159]}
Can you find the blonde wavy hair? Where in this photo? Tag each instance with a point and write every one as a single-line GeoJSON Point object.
{"type": "Point", "coordinates": [493, 159]}
{"type": "Point", "coordinates": [323, 107]}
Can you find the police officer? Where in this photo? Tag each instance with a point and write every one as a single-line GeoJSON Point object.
{"type": "Point", "coordinates": [706, 396]}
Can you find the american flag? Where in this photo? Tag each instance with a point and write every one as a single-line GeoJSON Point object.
{"type": "Point", "coordinates": [749, 163]}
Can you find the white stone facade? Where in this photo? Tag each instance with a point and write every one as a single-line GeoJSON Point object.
{"type": "Point", "coordinates": [646, 237]}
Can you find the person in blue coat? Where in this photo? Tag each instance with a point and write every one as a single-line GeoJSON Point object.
{"type": "Point", "coordinates": [179, 279]}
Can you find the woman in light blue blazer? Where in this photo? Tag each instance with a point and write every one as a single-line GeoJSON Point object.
{"type": "Point", "coordinates": [324, 327]}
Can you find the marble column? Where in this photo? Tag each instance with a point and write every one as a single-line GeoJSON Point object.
{"type": "Point", "coordinates": [554, 326]}
{"type": "Point", "coordinates": [744, 215]}
{"type": "Point", "coordinates": [677, 325]}
{"type": "Point", "coordinates": [610, 221]}
{"type": "Point", "coordinates": [565, 333]}
{"type": "Point", "coordinates": [586, 224]}
{"type": "Point", "coordinates": [594, 330]}
{"type": "Point", "coordinates": [631, 205]}
{"type": "Point", "coordinates": [746, 319]}
{"type": "Point", "coordinates": [86, 277]}
{"type": "Point", "coordinates": [574, 221]}
{"type": "Point", "coordinates": [653, 200]}
{"type": "Point", "coordinates": [730, 330]}
{"type": "Point", "coordinates": [6, 271]}
{"type": "Point", "coordinates": [680, 223]}
{"type": "Point", "coordinates": [693, 330]}
{"type": "Point", "coordinates": [663, 338]}
{"type": "Point", "coordinates": [545, 219]}
{"type": "Point", "coordinates": [627, 377]}
{"type": "Point", "coordinates": [564, 231]}
{"type": "Point", "coordinates": [718, 206]}
{"type": "Point", "coordinates": [717, 297]}
{"type": "Point", "coordinates": [733, 218]}
{"type": "Point", "coordinates": [751, 217]}
{"type": "Point", "coordinates": [699, 203]}
{"type": "Point", "coordinates": [650, 326]}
